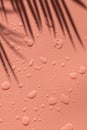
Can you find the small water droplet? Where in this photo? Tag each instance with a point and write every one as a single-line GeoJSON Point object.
{"type": "Point", "coordinates": [25, 99]}
{"type": "Point", "coordinates": [30, 43]}
{"type": "Point", "coordinates": [39, 119]}
{"type": "Point", "coordinates": [53, 62]}
{"type": "Point", "coordinates": [20, 24]}
{"type": "Point", "coordinates": [1, 120]}
{"type": "Point", "coordinates": [28, 75]}
{"type": "Point", "coordinates": [58, 109]}
{"type": "Point", "coordinates": [82, 70]}
{"type": "Point", "coordinates": [68, 126]}
{"type": "Point", "coordinates": [42, 105]}
{"type": "Point", "coordinates": [43, 60]}
{"type": "Point", "coordinates": [32, 94]}
{"type": "Point", "coordinates": [0, 105]}
{"type": "Point", "coordinates": [51, 107]}
{"type": "Point", "coordinates": [64, 99]}
{"type": "Point", "coordinates": [37, 67]}
{"type": "Point", "coordinates": [52, 101]}
{"type": "Point", "coordinates": [19, 69]}
{"type": "Point", "coordinates": [20, 85]}
{"type": "Point", "coordinates": [67, 58]}
{"type": "Point", "coordinates": [70, 90]}
{"type": "Point", "coordinates": [12, 44]}
{"type": "Point", "coordinates": [5, 85]}
{"type": "Point", "coordinates": [25, 120]}
{"type": "Point", "coordinates": [35, 119]}
{"type": "Point", "coordinates": [24, 109]}
{"type": "Point", "coordinates": [35, 109]}
{"type": "Point", "coordinates": [62, 64]}
{"type": "Point", "coordinates": [17, 117]}
{"type": "Point", "coordinates": [31, 62]}
{"type": "Point", "coordinates": [6, 32]}
{"type": "Point", "coordinates": [14, 67]}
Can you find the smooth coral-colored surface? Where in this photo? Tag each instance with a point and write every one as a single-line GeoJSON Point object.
{"type": "Point", "coordinates": [52, 94]}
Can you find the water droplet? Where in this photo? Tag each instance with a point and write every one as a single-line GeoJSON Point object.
{"type": "Point", "coordinates": [53, 62]}
{"type": "Point", "coordinates": [12, 44]}
{"type": "Point", "coordinates": [43, 60]}
{"type": "Point", "coordinates": [17, 117]}
{"type": "Point", "coordinates": [39, 119]}
{"type": "Point", "coordinates": [20, 24]}
{"type": "Point", "coordinates": [67, 58]}
{"type": "Point", "coordinates": [30, 43]}
{"type": "Point", "coordinates": [32, 94]}
{"type": "Point", "coordinates": [1, 120]}
{"type": "Point", "coordinates": [31, 62]}
{"type": "Point", "coordinates": [35, 119]}
{"type": "Point", "coordinates": [25, 120]}
{"type": "Point", "coordinates": [19, 69]}
{"type": "Point", "coordinates": [37, 67]}
{"type": "Point", "coordinates": [58, 109]}
{"type": "Point", "coordinates": [54, 92]}
{"type": "Point", "coordinates": [13, 103]}
{"type": "Point", "coordinates": [24, 109]}
{"type": "Point", "coordinates": [42, 105]}
{"type": "Point", "coordinates": [62, 64]}
{"type": "Point", "coordinates": [6, 32]}
{"type": "Point", "coordinates": [24, 68]}
{"type": "Point", "coordinates": [26, 39]}
{"type": "Point", "coordinates": [51, 107]}
{"type": "Point", "coordinates": [52, 101]}
{"type": "Point", "coordinates": [28, 75]}
{"type": "Point", "coordinates": [73, 75]}
{"type": "Point", "coordinates": [70, 90]}
{"type": "Point", "coordinates": [5, 85]}
{"type": "Point", "coordinates": [58, 43]}
{"type": "Point", "coordinates": [82, 70]}
{"type": "Point", "coordinates": [20, 85]}
{"type": "Point", "coordinates": [38, 35]}
{"type": "Point", "coordinates": [35, 109]}
{"type": "Point", "coordinates": [64, 99]}
{"type": "Point", "coordinates": [39, 86]}
{"type": "Point", "coordinates": [25, 99]}
{"type": "Point", "coordinates": [14, 67]}
{"type": "Point", "coordinates": [68, 126]}
{"type": "Point", "coordinates": [0, 105]}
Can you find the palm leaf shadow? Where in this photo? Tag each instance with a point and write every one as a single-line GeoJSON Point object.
{"type": "Point", "coordinates": [34, 8]}
{"type": "Point", "coordinates": [19, 8]}
{"type": "Point", "coordinates": [9, 37]}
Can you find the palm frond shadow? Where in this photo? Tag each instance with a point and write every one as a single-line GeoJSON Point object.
{"type": "Point", "coordinates": [8, 37]}
{"type": "Point", "coordinates": [59, 7]}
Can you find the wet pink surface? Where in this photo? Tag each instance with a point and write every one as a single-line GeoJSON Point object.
{"type": "Point", "coordinates": [52, 94]}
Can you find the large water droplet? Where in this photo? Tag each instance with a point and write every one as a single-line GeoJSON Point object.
{"type": "Point", "coordinates": [73, 75]}
{"type": "Point", "coordinates": [52, 101]}
{"type": "Point", "coordinates": [5, 85]}
{"type": "Point", "coordinates": [32, 94]}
